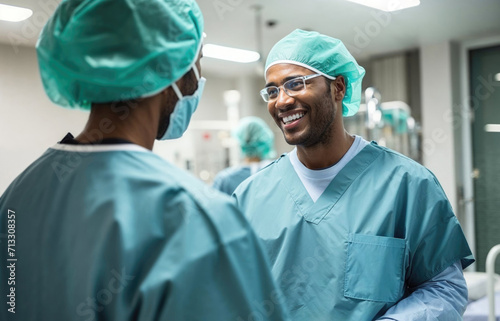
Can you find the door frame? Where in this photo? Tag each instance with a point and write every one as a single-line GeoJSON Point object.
{"type": "Point", "coordinates": [466, 136]}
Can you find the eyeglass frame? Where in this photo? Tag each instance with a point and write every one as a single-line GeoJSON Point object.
{"type": "Point", "coordinates": [304, 78]}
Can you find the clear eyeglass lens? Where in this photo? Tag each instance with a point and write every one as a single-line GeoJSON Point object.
{"type": "Point", "coordinates": [294, 85]}
{"type": "Point", "coordinates": [265, 94]}
{"type": "Point", "coordinates": [272, 92]}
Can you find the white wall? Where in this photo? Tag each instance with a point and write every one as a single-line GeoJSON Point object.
{"type": "Point", "coordinates": [29, 122]}
{"type": "Point", "coordinates": [437, 106]}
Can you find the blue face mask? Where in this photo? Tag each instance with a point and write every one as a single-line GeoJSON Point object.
{"type": "Point", "coordinates": [184, 109]}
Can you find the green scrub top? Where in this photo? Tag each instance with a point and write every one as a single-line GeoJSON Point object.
{"type": "Point", "coordinates": [113, 232]}
{"type": "Point", "coordinates": [382, 226]}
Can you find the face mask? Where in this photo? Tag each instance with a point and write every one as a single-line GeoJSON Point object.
{"type": "Point", "coordinates": [184, 109]}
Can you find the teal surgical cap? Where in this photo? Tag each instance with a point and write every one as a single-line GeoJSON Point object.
{"type": "Point", "coordinates": [100, 51]}
{"type": "Point", "coordinates": [255, 138]}
{"type": "Point", "coordinates": [321, 54]}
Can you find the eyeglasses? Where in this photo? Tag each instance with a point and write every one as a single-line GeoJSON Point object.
{"type": "Point", "coordinates": [292, 87]}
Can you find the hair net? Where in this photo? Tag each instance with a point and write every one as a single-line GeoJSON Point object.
{"type": "Point", "coordinates": [325, 55]}
{"type": "Point", "coordinates": [255, 138]}
{"type": "Point", "coordinates": [98, 51]}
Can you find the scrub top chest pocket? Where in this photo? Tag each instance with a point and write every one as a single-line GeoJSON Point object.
{"type": "Point", "coordinates": [374, 268]}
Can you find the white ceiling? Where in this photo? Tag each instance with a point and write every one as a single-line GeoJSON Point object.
{"type": "Point", "coordinates": [233, 23]}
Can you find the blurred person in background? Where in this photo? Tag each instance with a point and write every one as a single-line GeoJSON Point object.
{"type": "Point", "coordinates": [256, 141]}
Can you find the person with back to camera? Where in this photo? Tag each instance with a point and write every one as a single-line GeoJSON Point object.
{"type": "Point", "coordinates": [104, 228]}
{"type": "Point", "coordinates": [354, 231]}
{"type": "Point", "coordinates": [256, 141]}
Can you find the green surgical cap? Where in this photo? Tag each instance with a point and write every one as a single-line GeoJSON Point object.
{"type": "Point", "coordinates": [100, 51]}
{"type": "Point", "coordinates": [321, 54]}
{"type": "Point", "coordinates": [255, 138]}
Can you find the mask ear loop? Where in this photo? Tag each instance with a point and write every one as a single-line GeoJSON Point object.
{"type": "Point", "coordinates": [176, 89]}
{"type": "Point", "coordinates": [196, 72]}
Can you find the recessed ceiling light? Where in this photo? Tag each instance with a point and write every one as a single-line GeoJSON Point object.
{"type": "Point", "coordinates": [388, 5]}
{"type": "Point", "coordinates": [230, 54]}
{"type": "Point", "coordinates": [492, 128]}
{"type": "Point", "coordinates": [497, 77]}
{"type": "Point", "coordinates": [14, 14]}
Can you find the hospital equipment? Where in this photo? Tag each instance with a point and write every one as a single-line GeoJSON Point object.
{"type": "Point", "coordinates": [390, 124]}
{"type": "Point", "coordinates": [484, 305]}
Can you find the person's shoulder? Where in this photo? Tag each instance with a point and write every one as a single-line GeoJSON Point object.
{"type": "Point", "coordinates": [199, 190]}
{"type": "Point", "coordinates": [393, 158]}
{"type": "Point", "coordinates": [211, 207]}
{"type": "Point", "coordinates": [265, 175]}
{"type": "Point", "coordinates": [391, 161]}
{"type": "Point", "coordinates": [204, 205]}
{"type": "Point", "coordinates": [148, 170]}
{"type": "Point", "coordinates": [232, 171]}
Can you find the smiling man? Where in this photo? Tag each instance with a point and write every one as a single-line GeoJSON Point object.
{"type": "Point", "coordinates": [354, 231]}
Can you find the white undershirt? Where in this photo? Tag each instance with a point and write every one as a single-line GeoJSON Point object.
{"type": "Point", "coordinates": [316, 181]}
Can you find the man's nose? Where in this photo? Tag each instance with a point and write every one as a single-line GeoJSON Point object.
{"type": "Point", "coordinates": [283, 99]}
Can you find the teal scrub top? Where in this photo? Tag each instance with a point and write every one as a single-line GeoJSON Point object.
{"type": "Point", "coordinates": [382, 227]}
{"type": "Point", "coordinates": [228, 179]}
{"type": "Point", "coordinates": [117, 233]}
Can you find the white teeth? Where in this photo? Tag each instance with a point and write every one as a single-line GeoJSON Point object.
{"type": "Point", "coordinates": [291, 118]}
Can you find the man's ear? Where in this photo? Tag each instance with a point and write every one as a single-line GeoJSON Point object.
{"type": "Point", "coordinates": [340, 88]}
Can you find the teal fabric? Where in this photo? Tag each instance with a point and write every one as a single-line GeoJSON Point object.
{"type": "Point", "coordinates": [361, 280]}
{"type": "Point", "coordinates": [124, 235]}
{"type": "Point", "coordinates": [382, 227]}
{"type": "Point", "coordinates": [255, 137]}
{"type": "Point", "coordinates": [100, 51]}
{"type": "Point", "coordinates": [325, 55]}
{"type": "Point", "coordinates": [228, 179]}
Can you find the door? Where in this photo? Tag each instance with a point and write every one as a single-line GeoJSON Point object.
{"type": "Point", "coordinates": [485, 101]}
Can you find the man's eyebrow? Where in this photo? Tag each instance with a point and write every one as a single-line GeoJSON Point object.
{"type": "Point", "coordinates": [284, 80]}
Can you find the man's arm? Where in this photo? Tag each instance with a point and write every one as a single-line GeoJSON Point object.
{"type": "Point", "coordinates": [442, 298]}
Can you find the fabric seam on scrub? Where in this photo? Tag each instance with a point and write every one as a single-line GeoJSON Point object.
{"type": "Point", "coordinates": [359, 297]}
{"type": "Point", "coordinates": [428, 276]}
{"type": "Point", "coordinates": [289, 191]}
{"type": "Point", "coordinates": [310, 173]}
{"type": "Point", "coordinates": [439, 271]}
{"type": "Point", "coordinates": [318, 220]}
{"type": "Point", "coordinates": [298, 64]}
{"type": "Point", "coordinates": [351, 239]}
{"type": "Point", "coordinates": [368, 163]}
{"type": "Point", "coordinates": [379, 244]}
{"type": "Point", "coordinates": [99, 148]}
{"type": "Point", "coordinates": [399, 155]}
{"type": "Point", "coordinates": [307, 175]}
{"type": "Point", "coordinates": [284, 157]}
